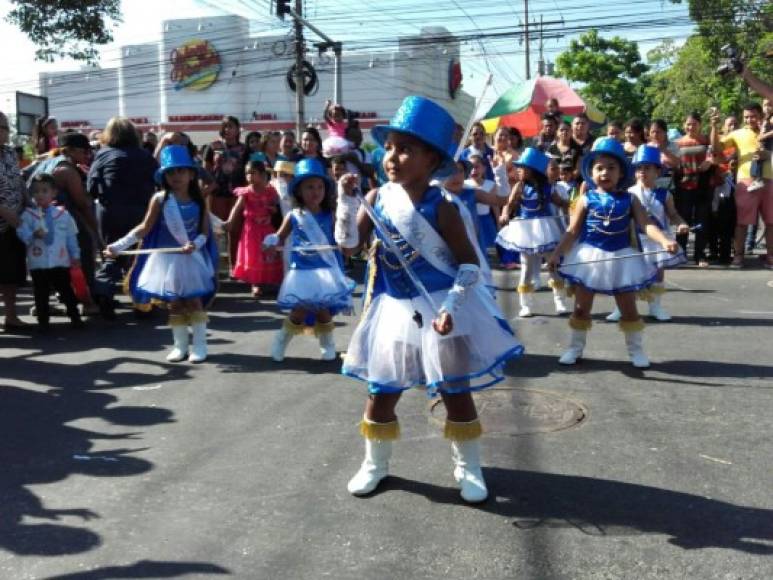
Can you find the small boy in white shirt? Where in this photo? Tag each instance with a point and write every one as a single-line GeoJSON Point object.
{"type": "Point", "coordinates": [50, 234]}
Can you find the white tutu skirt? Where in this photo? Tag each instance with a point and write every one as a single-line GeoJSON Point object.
{"type": "Point", "coordinates": [531, 236]}
{"type": "Point", "coordinates": [390, 352]}
{"type": "Point", "coordinates": [316, 289]}
{"type": "Point", "coordinates": [333, 146]}
{"type": "Point", "coordinates": [172, 277]}
{"type": "Point", "coordinates": [662, 260]}
{"type": "Point", "coordinates": [610, 277]}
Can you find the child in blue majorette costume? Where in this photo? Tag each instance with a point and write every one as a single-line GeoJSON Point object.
{"type": "Point", "coordinates": [187, 279]}
{"type": "Point", "coordinates": [401, 342]}
{"type": "Point", "coordinates": [535, 230]}
{"type": "Point", "coordinates": [602, 221]}
{"type": "Point", "coordinates": [314, 286]}
{"type": "Point", "coordinates": [661, 211]}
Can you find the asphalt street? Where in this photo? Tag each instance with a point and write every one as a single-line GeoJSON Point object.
{"type": "Point", "coordinates": [117, 464]}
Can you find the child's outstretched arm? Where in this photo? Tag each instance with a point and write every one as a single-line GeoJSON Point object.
{"type": "Point", "coordinates": [272, 241]}
{"type": "Point", "coordinates": [236, 210]}
{"type": "Point", "coordinates": [512, 203]}
{"type": "Point", "coordinates": [576, 222]}
{"type": "Point", "coordinates": [139, 232]}
{"type": "Point", "coordinates": [653, 232]}
{"type": "Point", "coordinates": [674, 217]}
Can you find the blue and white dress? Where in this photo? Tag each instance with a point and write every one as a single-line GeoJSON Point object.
{"type": "Point", "coordinates": [175, 276]}
{"type": "Point", "coordinates": [654, 202]}
{"type": "Point", "coordinates": [315, 279]}
{"type": "Point", "coordinates": [537, 229]}
{"type": "Point", "coordinates": [607, 234]}
{"type": "Point", "coordinates": [391, 352]}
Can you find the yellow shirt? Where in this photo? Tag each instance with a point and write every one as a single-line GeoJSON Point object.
{"type": "Point", "coordinates": [744, 141]}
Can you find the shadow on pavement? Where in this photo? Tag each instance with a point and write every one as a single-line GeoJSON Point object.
{"type": "Point", "coordinates": [606, 508]}
{"type": "Point", "coordinates": [256, 363]}
{"type": "Point", "coordinates": [145, 569]}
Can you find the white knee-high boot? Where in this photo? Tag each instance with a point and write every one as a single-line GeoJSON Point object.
{"type": "Point", "coordinates": [179, 325]}
{"type": "Point", "coordinates": [327, 345]}
{"type": "Point", "coordinates": [465, 450]}
{"type": "Point", "coordinates": [526, 297]}
{"type": "Point", "coordinates": [378, 451]}
{"type": "Point", "coordinates": [656, 310]}
{"type": "Point", "coordinates": [198, 321]}
{"type": "Point", "coordinates": [634, 342]}
{"type": "Point", "coordinates": [559, 291]}
{"type": "Point", "coordinates": [579, 334]}
{"type": "Point", "coordinates": [283, 337]}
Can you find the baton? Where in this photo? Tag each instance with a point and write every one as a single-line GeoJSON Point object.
{"type": "Point", "coordinates": [144, 251]}
{"type": "Point", "coordinates": [637, 255]}
{"type": "Point", "coordinates": [310, 248]}
{"type": "Point", "coordinates": [390, 245]}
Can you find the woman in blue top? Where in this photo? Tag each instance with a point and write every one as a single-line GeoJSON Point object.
{"type": "Point", "coordinates": [314, 284]}
{"type": "Point", "coordinates": [603, 259]}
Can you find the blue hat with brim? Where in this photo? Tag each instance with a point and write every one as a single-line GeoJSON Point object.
{"type": "Point", "coordinates": [646, 155]}
{"type": "Point", "coordinates": [174, 157]}
{"type": "Point", "coordinates": [535, 160]}
{"type": "Point", "coordinates": [607, 146]}
{"type": "Point", "coordinates": [426, 121]}
{"type": "Point", "coordinates": [307, 168]}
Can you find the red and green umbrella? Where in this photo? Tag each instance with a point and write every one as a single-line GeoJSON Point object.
{"type": "Point", "coordinates": [522, 105]}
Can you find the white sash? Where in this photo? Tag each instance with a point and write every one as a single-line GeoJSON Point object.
{"type": "Point", "coordinates": [316, 238]}
{"type": "Point", "coordinates": [174, 219]}
{"type": "Point", "coordinates": [469, 225]}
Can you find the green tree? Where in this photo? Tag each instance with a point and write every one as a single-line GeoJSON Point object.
{"type": "Point", "coordinates": [608, 69]}
{"type": "Point", "coordinates": [66, 28]}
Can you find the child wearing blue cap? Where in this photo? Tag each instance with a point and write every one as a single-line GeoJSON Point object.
{"type": "Point", "coordinates": [603, 261]}
{"type": "Point", "coordinates": [185, 278]}
{"type": "Point", "coordinates": [315, 284]}
{"type": "Point", "coordinates": [661, 211]}
{"type": "Point", "coordinates": [460, 348]}
{"type": "Point", "coordinates": [536, 229]}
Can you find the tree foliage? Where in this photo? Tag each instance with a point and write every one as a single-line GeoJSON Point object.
{"type": "Point", "coordinates": [66, 28]}
{"type": "Point", "coordinates": [609, 69]}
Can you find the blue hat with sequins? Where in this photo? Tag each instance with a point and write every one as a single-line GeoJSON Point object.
{"type": "Point", "coordinates": [533, 159]}
{"type": "Point", "coordinates": [426, 121]}
{"type": "Point", "coordinates": [173, 157]}
{"type": "Point", "coordinates": [607, 146]}
{"type": "Point", "coordinates": [307, 168]}
{"type": "Point", "coordinates": [646, 155]}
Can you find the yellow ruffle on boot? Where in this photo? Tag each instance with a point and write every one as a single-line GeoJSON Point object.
{"type": "Point", "coordinates": [378, 451]}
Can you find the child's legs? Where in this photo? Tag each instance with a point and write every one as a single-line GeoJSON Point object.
{"type": "Point", "coordinates": [192, 305]}
{"type": "Point", "coordinates": [626, 303]}
{"type": "Point", "coordinates": [381, 408]}
{"type": "Point", "coordinates": [59, 279]}
{"type": "Point", "coordinates": [324, 316]}
{"type": "Point", "coordinates": [41, 291]}
{"type": "Point", "coordinates": [298, 315]}
{"type": "Point", "coordinates": [529, 266]}
{"type": "Point", "coordinates": [460, 408]}
{"type": "Point", "coordinates": [177, 307]}
{"type": "Point", "coordinates": [583, 303]}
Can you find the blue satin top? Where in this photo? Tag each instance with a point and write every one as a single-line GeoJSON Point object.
{"type": "Point", "coordinates": [533, 204]}
{"type": "Point", "coordinates": [190, 214]}
{"type": "Point", "coordinates": [300, 260]}
{"type": "Point", "coordinates": [608, 220]}
{"type": "Point", "coordinates": [390, 277]}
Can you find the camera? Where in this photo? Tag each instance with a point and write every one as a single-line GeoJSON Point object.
{"type": "Point", "coordinates": [731, 61]}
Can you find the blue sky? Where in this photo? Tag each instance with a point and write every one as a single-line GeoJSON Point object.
{"type": "Point", "coordinates": [371, 25]}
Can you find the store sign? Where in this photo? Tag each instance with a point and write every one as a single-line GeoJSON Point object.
{"type": "Point", "coordinates": [195, 65]}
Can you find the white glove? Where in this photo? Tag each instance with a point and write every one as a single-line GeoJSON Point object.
{"type": "Point", "coordinates": [500, 177]}
{"type": "Point", "coordinates": [199, 241]}
{"type": "Point", "coordinates": [270, 241]}
{"type": "Point", "coordinates": [466, 278]}
{"type": "Point", "coordinates": [124, 243]}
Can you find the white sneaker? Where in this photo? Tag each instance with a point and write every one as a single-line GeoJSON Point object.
{"type": "Point", "coordinates": [614, 316]}
{"type": "Point", "coordinates": [180, 350]}
{"type": "Point", "coordinates": [467, 471]}
{"type": "Point", "coordinates": [374, 468]}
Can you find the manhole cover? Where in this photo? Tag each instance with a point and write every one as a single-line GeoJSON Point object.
{"type": "Point", "coordinates": [509, 411]}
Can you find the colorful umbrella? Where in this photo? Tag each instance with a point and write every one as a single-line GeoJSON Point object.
{"type": "Point", "coordinates": [523, 105]}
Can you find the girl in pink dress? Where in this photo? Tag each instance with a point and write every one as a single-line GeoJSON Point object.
{"type": "Point", "coordinates": [257, 203]}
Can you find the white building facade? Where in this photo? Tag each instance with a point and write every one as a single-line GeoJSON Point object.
{"type": "Point", "coordinates": [206, 68]}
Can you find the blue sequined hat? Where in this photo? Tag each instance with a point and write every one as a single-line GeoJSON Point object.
{"type": "Point", "coordinates": [426, 121]}
{"type": "Point", "coordinates": [535, 160]}
{"type": "Point", "coordinates": [607, 146]}
{"type": "Point", "coordinates": [646, 155]}
{"type": "Point", "coordinates": [172, 157]}
{"type": "Point", "coordinates": [310, 167]}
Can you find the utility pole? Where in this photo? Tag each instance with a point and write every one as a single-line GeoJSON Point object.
{"type": "Point", "coordinates": [300, 113]}
{"type": "Point", "coordinates": [526, 37]}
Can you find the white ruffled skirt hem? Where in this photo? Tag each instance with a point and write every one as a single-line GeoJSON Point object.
{"type": "Point", "coordinates": [315, 289]}
{"type": "Point", "coordinates": [662, 260]}
{"type": "Point", "coordinates": [390, 352]}
{"type": "Point", "coordinates": [172, 277]}
{"type": "Point", "coordinates": [531, 236]}
{"type": "Point", "coordinates": [609, 277]}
